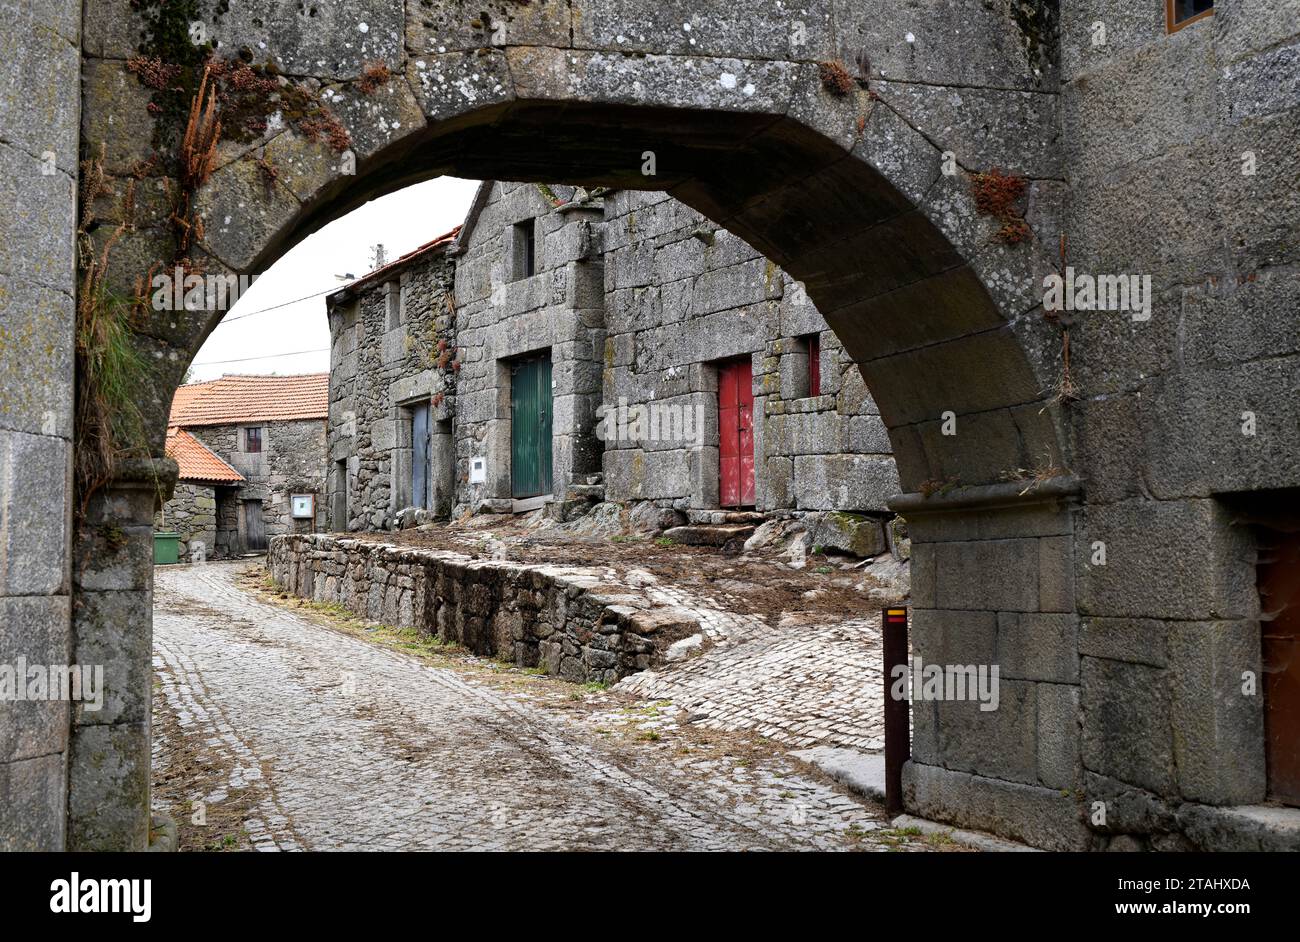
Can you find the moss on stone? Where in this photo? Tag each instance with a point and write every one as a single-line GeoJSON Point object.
{"type": "Point", "coordinates": [1039, 23]}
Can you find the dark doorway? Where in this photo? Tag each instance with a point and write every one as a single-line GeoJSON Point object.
{"type": "Point", "coordinates": [339, 494]}
{"type": "Point", "coordinates": [1279, 596]}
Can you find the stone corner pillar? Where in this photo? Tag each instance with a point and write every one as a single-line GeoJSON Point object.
{"type": "Point", "coordinates": [112, 622]}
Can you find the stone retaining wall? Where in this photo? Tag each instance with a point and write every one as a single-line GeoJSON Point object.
{"type": "Point", "coordinates": [567, 621]}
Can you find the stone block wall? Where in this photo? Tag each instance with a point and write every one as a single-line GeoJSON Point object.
{"type": "Point", "coordinates": [1198, 129]}
{"type": "Point", "coordinates": [192, 513]}
{"type": "Point", "coordinates": [680, 295]}
{"type": "Point", "coordinates": [501, 316]}
{"type": "Point", "coordinates": [993, 584]}
{"type": "Point", "coordinates": [568, 623]}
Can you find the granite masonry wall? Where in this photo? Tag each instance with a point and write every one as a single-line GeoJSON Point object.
{"type": "Point", "coordinates": [565, 622]}
{"type": "Point", "coordinates": [1180, 482]}
{"type": "Point", "coordinates": [503, 314]}
{"type": "Point", "coordinates": [636, 298]}
{"type": "Point", "coordinates": [40, 113]}
{"type": "Point", "coordinates": [192, 513]}
{"type": "Point", "coordinates": [391, 345]}
{"type": "Point", "coordinates": [681, 294]}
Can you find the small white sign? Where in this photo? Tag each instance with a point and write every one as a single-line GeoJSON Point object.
{"type": "Point", "coordinates": [303, 506]}
{"type": "Point", "coordinates": [478, 470]}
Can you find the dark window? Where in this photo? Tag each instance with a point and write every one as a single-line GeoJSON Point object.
{"type": "Point", "coordinates": [805, 373]}
{"type": "Point", "coordinates": [252, 439]}
{"type": "Point", "coordinates": [1180, 13]}
{"type": "Point", "coordinates": [814, 342]}
{"type": "Point", "coordinates": [525, 248]}
{"type": "Point", "coordinates": [393, 304]}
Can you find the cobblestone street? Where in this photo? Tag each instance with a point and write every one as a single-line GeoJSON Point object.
{"type": "Point", "coordinates": [297, 735]}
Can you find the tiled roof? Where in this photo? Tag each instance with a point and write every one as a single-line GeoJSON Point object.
{"type": "Point", "coordinates": [234, 399]}
{"type": "Point", "coordinates": [187, 394]}
{"type": "Point", "coordinates": [387, 271]}
{"type": "Point", "coordinates": [197, 461]}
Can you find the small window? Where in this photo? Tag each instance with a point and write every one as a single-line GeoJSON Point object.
{"type": "Point", "coordinates": [1180, 13]}
{"type": "Point", "coordinates": [814, 343]}
{"type": "Point", "coordinates": [802, 373]}
{"type": "Point", "coordinates": [253, 439]}
{"type": "Point", "coordinates": [525, 249]}
{"type": "Point", "coordinates": [393, 304]}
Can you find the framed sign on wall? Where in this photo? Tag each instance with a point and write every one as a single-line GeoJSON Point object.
{"type": "Point", "coordinates": [303, 506]}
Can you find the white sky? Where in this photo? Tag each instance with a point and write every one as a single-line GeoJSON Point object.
{"type": "Point", "coordinates": [401, 221]}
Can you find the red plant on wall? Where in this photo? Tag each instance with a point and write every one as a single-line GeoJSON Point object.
{"type": "Point", "coordinates": [997, 194]}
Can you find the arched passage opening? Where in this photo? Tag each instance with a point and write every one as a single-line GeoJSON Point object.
{"type": "Point", "coordinates": [909, 303]}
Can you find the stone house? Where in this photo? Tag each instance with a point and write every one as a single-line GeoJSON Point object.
{"type": "Point", "coordinates": [203, 481]}
{"type": "Point", "coordinates": [563, 347]}
{"type": "Point", "coordinates": [251, 453]}
{"type": "Point", "coordinates": [391, 382]}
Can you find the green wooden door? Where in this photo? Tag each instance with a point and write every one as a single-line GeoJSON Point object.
{"type": "Point", "coordinates": [530, 427]}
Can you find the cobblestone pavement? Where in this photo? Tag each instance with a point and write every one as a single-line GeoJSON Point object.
{"type": "Point", "coordinates": [802, 682]}
{"type": "Point", "coordinates": [331, 741]}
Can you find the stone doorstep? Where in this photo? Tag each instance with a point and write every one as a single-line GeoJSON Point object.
{"type": "Point", "coordinates": [1242, 827]}
{"type": "Point", "coordinates": [664, 620]}
{"type": "Point", "coordinates": [718, 535]}
{"type": "Point", "coordinates": [716, 517]}
{"type": "Point", "coordinates": [976, 839]}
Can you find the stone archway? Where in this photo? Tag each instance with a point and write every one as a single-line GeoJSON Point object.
{"type": "Point", "coordinates": [862, 190]}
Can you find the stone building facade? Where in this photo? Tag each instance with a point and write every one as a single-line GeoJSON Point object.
{"type": "Point", "coordinates": [635, 305]}
{"type": "Point", "coordinates": [392, 338]}
{"type": "Point", "coordinates": [684, 296]}
{"type": "Point", "coordinates": [204, 484]}
{"type": "Point", "coordinates": [245, 447]}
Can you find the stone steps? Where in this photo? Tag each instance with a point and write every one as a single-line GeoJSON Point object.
{"type": "Point", "coordinates": [711, 535]}
{"type": "Point", "coordinates": [718, 517]}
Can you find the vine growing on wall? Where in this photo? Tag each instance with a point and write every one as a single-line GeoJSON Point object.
{"type": "Point", "coordinates": [198, 99]}
{"type": "Point", "coordinates": [110, 370]}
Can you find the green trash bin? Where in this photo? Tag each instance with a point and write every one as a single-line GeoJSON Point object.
{"type": "Point", "coordinates": [165, 548]}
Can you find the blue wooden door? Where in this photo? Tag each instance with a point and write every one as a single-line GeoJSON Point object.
{"type": "Point", "coordinates": [420, 456]}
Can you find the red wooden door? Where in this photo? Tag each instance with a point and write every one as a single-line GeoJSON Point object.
{"type": "Point", "coordinates": [1279, 589]}
{"type": "Point", "coordinates": [736, 433]}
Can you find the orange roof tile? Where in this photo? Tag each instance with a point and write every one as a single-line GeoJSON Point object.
{"type": "Point", "coordinates": [234, 399]}
{"type": "Point", "coordinates": [197, 461]}
{"type": "Point", "coordinates": [187, 394]}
